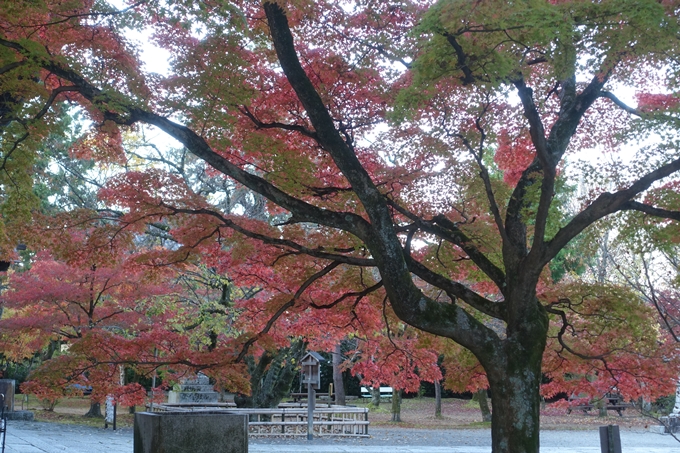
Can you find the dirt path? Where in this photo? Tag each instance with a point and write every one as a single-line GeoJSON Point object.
{"type": "Point", "coordinates": [456, 413]}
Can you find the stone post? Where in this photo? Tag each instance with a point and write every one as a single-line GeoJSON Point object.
{"type": "Point", "coordinates": [7, 387]}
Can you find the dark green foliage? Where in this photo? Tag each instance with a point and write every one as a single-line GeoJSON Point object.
{"type": "Point", "coordinates": [569, 260]}
{"type": "Point", "coordinates": [17, 370]}
{"type": "Point", "coordinates": [271, 376]}
{"type": "Point", "coordinates": [663, 405]}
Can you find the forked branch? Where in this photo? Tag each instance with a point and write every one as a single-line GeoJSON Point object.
{"type": "Point", "coordinates": [270, 323]}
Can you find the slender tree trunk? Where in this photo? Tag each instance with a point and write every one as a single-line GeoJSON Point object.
{"type": "Point", "coordinates": [53, 347]}
{"type": "Point", "coordinates": [483, 402]}
{"type": "Point", "coordinates": [396, 405]}
{"type": "Point", "coordinates": [338, 386]}
{"type": "Point", "coordinates": [601, 406]}
{"type": "Point", "coordinates": [676, 408]}
{"type": "Point", "coordinates": [375, 396]}
{"type": "Point", "coordinates": [437, 399]}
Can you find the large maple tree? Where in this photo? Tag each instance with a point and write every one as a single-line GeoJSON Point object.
{"type": "Point", "coordinates": [376, 132]}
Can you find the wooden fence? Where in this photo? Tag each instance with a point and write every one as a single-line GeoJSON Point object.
{"type": "Point", "coordinates": [291, 421]}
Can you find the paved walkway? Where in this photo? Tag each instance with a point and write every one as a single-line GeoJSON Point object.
{"type": "Point", "coordinates": [37, 437]}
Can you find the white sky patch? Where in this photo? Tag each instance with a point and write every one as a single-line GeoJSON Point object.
{"type": "Point", "coordinates": [154, 59]}
{"type": "Point", "coordinates": [152, 134]}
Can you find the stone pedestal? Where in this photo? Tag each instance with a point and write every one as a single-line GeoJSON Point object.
{"type": "Point", "coordinates": [195, 432]}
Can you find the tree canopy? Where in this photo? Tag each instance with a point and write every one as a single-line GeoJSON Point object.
{"type": "Point", "coordinates": [413, 163]}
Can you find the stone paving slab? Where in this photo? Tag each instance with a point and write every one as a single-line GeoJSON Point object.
{"type": "Point", "coordinates": [425, 449]}
{"type": "Point", "coordinates": [37, 437]}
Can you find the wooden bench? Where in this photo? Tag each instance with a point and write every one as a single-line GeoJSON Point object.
{"type": "Point", "coordinates": [614, 403]}
{"type": "Point", "coordinates": [385, 392]}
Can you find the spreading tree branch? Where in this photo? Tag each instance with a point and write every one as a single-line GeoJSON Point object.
{"type": "Point", "coordinates": [444, 228]}
{"type": "Point", "coordinates": [270, 323]}
{"type": "Point", "coordinates": [609, 203]}
{"type": "Point", "coordinates": [319, 252]}
{"type": "Point", "coordinates": [650, 210]}
{"type": "Point", "coordinates": [357, 295]}
{"type": "Point", "coordinates": [127, 113]}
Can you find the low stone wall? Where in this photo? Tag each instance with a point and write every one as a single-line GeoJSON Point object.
{"type": "Point", "coordinates": [20, 415]}
{"type": "Point", "coordinates": [671, 423]}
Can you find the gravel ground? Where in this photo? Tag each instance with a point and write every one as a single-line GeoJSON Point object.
{"type": "Point", "coordinates": [458, 428]}
{"type": "Point", "coordinates": [40, 437]}
{"type": "Point", "coordinates": [479, 438]}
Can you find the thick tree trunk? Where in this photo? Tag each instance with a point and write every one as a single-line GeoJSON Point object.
{"type": "Point", "coordinates": [51, 349]}
{"type": "Point", "coordinates": [516, 409]}
{"type": "Point", "coordinates": [514, 374]}
{"type": "Point", "coordinates": [396, 405]}
{"type": "Point", "coordinates": [437, 399]}
{"type": "Point", "coordinates": [483, 402]}
{"type": "Point", "coordinates": [95, 410]}
{"type": "Point", "coordinates": [338, 386]}
{"type": "Point", "coordinates": [271, 377]}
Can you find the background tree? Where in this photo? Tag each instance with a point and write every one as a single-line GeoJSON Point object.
{"type": "Point", "coordinates": [55, 302]}
{"type": "Point", "coordinates": [271, 376]}
{"type": "Point", "coordinates": [338, 384]}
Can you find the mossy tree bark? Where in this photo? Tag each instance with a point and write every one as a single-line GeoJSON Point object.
{"type": "Point", "coordinates": [271, 377]}
{"type": "Point", "coordinates": [514, 377]}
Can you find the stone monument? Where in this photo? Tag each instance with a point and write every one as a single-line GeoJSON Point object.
{"type": "Point", "coordinates": [196, 390]}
